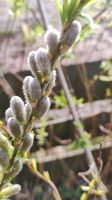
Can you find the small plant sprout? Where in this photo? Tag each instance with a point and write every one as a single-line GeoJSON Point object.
{"type": "Point", "coordinates": [95, 185]}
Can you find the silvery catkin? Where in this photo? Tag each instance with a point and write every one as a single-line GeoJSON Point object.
{"type": "Point", "coordinates": [5, 144]}
{"type": "Point", "coordinates": [70, 36]}
{"type": "Point", "coordinates": [26, 82]}
{"type": "Point", "coordinates": [52, 39]}
{"type": "Point", "coordinates": [28, 111]}
{"type": "Point", "coordinates": [8, 113]}
{"type": "Point", "coordinates": [27, 142]}
{"type": "Point", "coordinates": [32, 63]}
{"type": "Point", "coordinates": [50, 84]}
{"type": "Point", "coordinates": [42, 107]}
{"type": "Point", "coordinates": [16, 168]}
{"type": "Point", "coordinates": [43, 62]}
{"type": "Point", "coordinates": [14, 127]}
{"type": "Point", "coordinates": [35, 89]}
{"type": "Point", "coordinates": [4, 160]}
{"type": "Point", "coordinates": [17, 106]}
{"type": "Point", "coordinates": [10, 191]}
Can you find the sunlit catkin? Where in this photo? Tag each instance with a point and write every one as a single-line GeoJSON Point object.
{"type": "Point", "coordinates": [17, 106]}
{"type": "Point", "coordinates": [4, 160]}
{"type": "Point", "coordinates": [28, 111]}
{"type": "Point", "coordinates": [43, 62]}
{"type": "Point", "coordinates": [5, 144]}
{"type": "Point", "coordinates": [50, 84]}
{"type": "Point", "coordinates": [35, 90]}
{"type": "Point", "coordinates": [69, 36]}
{"type": "Point", "coordinates": [14, 127]}
{"type": "Point", "coordinates": [27, 142]}
{"type": "Point", "coordinates": [42, 107]}
{"type": "Point", "coordinates": [32, 63]}
{"type": "Point", "coordinates": [10, 191]}
{"type": "Point", "coordinates": [26, 81]}
{"type": "Point", "coordinates": [17, 167]}
{"type": "Point", "coordinates": [8, 113]}
{"type": "Point", "coordinates": [52, 39]}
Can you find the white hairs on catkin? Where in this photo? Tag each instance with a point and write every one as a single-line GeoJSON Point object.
{"type": "Point", "coordinates": [70, 36]}
{"type": "Point", "coordinates": [17, 106]}
{"type": "Point", "coordinates": [27, 142]}
{"type": "Point", "coordinates": [52, 40]}
{"type": "Point", "coordinates": [26, 82]}
{"type": "Point", "coordinates": [35, 90]}
{"type": "Point", "coordinates": [32, 63]}
{"type": "Point", "coordinates": [43, 62]}
{"type": "Point", "coordinates": [14, 127]}
{"type": "Point", "coordinates": [8, 113]}
{"type": "Point", "coordinates": [42, 107]}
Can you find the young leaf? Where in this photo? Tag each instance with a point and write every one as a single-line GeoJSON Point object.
{"type": "Point", "coordinates": [88, 20]}
{"type": "Point", "coordinates": [58, 6]}
{"type": "Point", "coordinates": [72, 7]}
{"type": "Point", "coordinates": [64, 11]}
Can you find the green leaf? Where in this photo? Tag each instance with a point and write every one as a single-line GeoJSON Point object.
{"type": "Point", "coordinates": [88, 20]}
{"type": "Point", "coordinates": [64, 11]}
{"type": "Point", "coordinates": [72, 7]}
{"type": "Point", "coordinates": [58, 6]}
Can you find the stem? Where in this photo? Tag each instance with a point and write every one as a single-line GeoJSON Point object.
{"type": "Point", "coordinates": [52, 185]}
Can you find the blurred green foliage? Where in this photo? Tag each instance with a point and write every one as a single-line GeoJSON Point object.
{"type": "Point", "coordinates": [81, 142]}
{"type": "Point", "coordinates": [61, 101]}
{"type": "Point", "coordinates": [42, 134]}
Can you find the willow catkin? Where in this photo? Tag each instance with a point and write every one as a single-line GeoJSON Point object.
{"type": "Point", "coordinates": [17, 167]}
{"type": "Point", "coordinates": [5, 144]}
{"type": "Point", "coordinates": [14, 127]}
{"type": "Point", "coordinates": [10, 191]}
{"type": "Point", "coordinates": [32, 63]}
{"type": "Point", "coordinates": [8, 113]}
{"type": "Point", "coordinates": [17, 106]}
{"type": "Point", "coordinates": [69, 36]}
{"type": "Point", "coordinates": [50, 84]}
{"type": "Point", "coordinates": [4, 160]}
{"type": "Point", "coordinates": [26, 82]}
{"type": "Point", "coordinates": [42, 107]}
{"type": "Point", "coordinates": [43, 62]}
{"type": "Point", "coordinates": [52, 39]}
{"type": "Point", "coordinates": [27, 142]}
{"type": "Point", "coordinates": [35, 90]}
{"type": "Point", "coordinates": [28, 111]}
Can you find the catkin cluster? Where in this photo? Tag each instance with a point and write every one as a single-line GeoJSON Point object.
{"type": "Point", "coordinates": [36, 89]}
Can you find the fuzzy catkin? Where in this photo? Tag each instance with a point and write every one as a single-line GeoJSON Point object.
{"type": "Point", "coordinates": [4, 160]}
{"type": "Point", "coordinates": [32, 63]}
{"type": "Point", "coordinates": [70, 36]}
{"type": "Point", "coordinates": [27, 142]}
{"type": "Point", "coordinates": [8, 113]}
{"type": "Point", "coordinates": [50, 84]}
{"type": "Point", "coordinates": [17, 106]}
{"type": "Point", "coordinates": [26, 82]}
{"type": "Point", "coordinates": [35, 90]}
{"type": "Point", "coordinates": [10, 191]}
{"type": "Point", "coordinates": [42, 107]}
{"type": "Point", "coordinates": [14, 127]}
{"type": "Point", "coordinates": [5, 144]}
{"type": "Point", "coordinates": [43, 62]}
{"type": "Point", "coordinates": [52, 39]}
{"type": "Point", "coordinates": [28, 111]}
{"type": "Point", "coordinates": [17, 167]}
